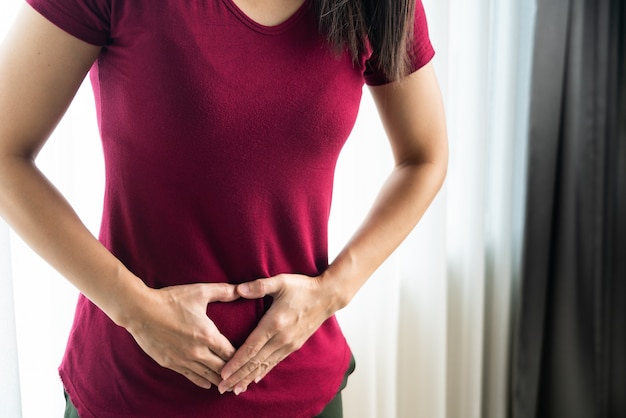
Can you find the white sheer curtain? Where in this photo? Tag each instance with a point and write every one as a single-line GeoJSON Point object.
{"type": "Point", "coordinates": [430, 329]}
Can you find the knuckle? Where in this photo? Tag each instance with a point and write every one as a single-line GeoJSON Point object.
{"type": "Point", "coordinates": [209, 340]}
{"type": "Point", "coordinates": [267, 365]}
{"type": "Point", "coordinates": [291, 345]}
{"type": "Point", "coordinates": [193, 353]}
{"type": "Point", "coordinates": [206, 338]}
{"type": "Point", "coordinates": [225, 288]}
{"type": "Point", "coordinates": [252, 365]}
{"type": "Point", "coordinates": [167, 362]}
{"type": "Point", "coordinates": [251, 350]}
{"type": "Point", "coordinates": [258, 286]}
{"type": "Point", "coordinates": [279, 321]}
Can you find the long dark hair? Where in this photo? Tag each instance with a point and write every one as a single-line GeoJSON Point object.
{"type": "Point", "coordinates": [386, 24]}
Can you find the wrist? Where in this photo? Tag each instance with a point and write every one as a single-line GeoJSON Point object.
{"type": "Point", "coordinates": [128, 298]}
{"type": "Point", "coordinates": [336, 285]}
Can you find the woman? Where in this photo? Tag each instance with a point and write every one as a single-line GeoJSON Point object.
{"type": "Point", "coordinates": [208, 292]}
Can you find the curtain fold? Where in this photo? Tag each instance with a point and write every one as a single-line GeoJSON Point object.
{"type": "Point", "coordinates": [568, 359]}
{"type": "Point", "coordinates": [456, 270]}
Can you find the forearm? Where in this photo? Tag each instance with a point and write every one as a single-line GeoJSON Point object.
{"type": "Point", "coordinates": [44, 219]}
{"type": "Point", "coordinates": [41, 67]}
{"type": "Point", "coordinates": [402, 201]}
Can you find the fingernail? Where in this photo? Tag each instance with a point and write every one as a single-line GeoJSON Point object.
{"type": "Point", "coordinates": [258, 379]}
{"type": "Point", "coordinates": [244, 288]}
{"type": "Point", "coordinates": [221, 390]}
{"type": "Point", "coordinates": [238, 390]}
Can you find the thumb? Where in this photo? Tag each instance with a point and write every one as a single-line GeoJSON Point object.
{"type": "Point", "coordinates": [258, 288]}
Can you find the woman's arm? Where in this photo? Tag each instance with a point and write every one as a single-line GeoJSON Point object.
{"type": "Point", "coordinates": [413, 117]}
{"type": "Point", "coordinates": [41, 68]}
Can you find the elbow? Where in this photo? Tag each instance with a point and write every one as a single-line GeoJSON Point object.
{"type": "Point", "coordinates": [20, 147]}
{"type": "Point", "coordinates": [431, 159]}
{"type": "Point", "coordinates": [438, 170]}
{"type": "Point", "coordinates": [441, 162]}
{"type": "Point", "coordinates": [437, 156]}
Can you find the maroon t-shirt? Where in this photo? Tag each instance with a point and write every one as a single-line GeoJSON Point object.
{"type": "Point", "coordinates": [220, 140]}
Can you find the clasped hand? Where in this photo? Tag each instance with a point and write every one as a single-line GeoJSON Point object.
{"type": "Point", "coordinates": [181, 337]}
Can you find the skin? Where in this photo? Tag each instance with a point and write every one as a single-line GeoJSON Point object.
{"type": "Point", "coordinates": [179, 335]}
{"type": "Point", "coordinates": [269, 12]}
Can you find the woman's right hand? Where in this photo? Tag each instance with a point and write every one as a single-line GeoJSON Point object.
{"type": "Point", "coordinates": [176, 332]}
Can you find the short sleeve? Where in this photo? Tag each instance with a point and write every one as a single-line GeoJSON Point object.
{"type": "Point", "coordinates": [420, 54]}
{"type": "Point", "coordinates": [87, 20]}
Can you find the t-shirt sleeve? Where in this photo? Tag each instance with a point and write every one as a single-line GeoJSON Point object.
{"type": "Point", "coordinates": [419, 55]}
{"type": "Point", "coordinates": [87, 20]}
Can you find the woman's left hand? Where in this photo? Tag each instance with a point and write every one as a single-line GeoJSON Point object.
{"type": "Point", "coordinates": [301, 304]}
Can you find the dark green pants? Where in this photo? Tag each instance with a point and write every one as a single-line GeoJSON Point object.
{"type": "Point", "coordinates": [333, 410]}
{"type": "Point", "coordinates": [70, 409]}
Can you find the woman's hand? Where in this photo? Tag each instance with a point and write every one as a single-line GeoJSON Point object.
{"type": "Point", "coordinates": [301, 304]}
{"type": "Point", "coordinates": [176, 332]}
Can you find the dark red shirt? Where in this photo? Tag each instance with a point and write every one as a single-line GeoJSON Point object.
{"type": "Point", "coordinates": [220, 140]}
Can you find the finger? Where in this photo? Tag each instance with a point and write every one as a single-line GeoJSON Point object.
{"type": "Point", "coordinates": [277, 357]}
{"type": "Point", "coordinates": [261, 287]}
{"type": "Point", "coordinates": [243, 384]}
{"type": "Point", "coordinates": [219, 292]}
{"type": "Point", "coordinates": [219, 345]}
{"type": "Point", "coordinates": [250, 349]}
{"type": "Point", "coordinates": [263, 372]}
{"type": "Point", "coordinates": [208, 360]}
{"type": "Point", "coordinates": [253, 371]}
{"type": "Point", "coordinates": [257, 375]}
{"type": "Point", "coordinates": [196, 378]}
{"type": "Point", "coordinates": [206, 373]}
{"type": "Point", "coordinates": [264, 360]}
{"type": "Point", "coordinates": [198, 361]}
{"type": "Point", "coordinates": [248, 369]}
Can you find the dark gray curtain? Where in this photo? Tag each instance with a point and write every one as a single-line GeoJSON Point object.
{"type": "Point", "coordinates": [569, 346]}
